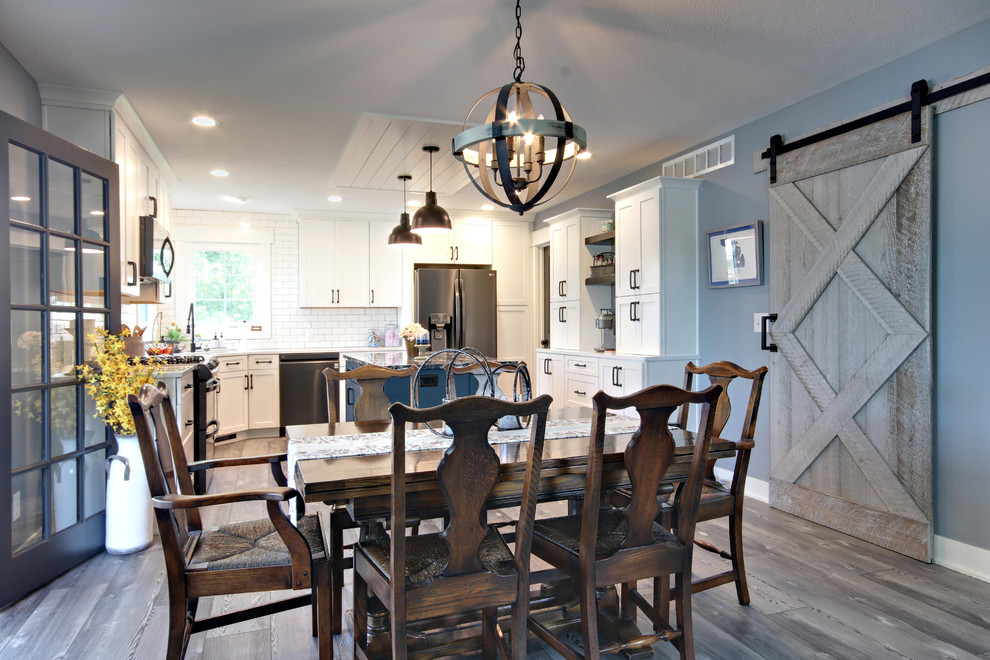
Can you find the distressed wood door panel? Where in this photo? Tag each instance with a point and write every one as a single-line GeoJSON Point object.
{"type": "Point", "coordinates": [850, 280]}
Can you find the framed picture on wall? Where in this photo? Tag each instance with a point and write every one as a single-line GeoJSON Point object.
{"type": "Point", "coordinates": [735, 256]}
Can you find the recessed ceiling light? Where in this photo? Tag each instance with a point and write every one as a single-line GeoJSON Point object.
{"type": "Point", "coordinates": [335, 198]}
{"type": "Point", "coordinates": [245, 224]}
{"type": "Point", "coordinates": [219, 172]}
{"type": "Point", "coordinates": [487, 207]}
{"type": "Point", "coordinates": [583, 155]}
{"type": "Point", "coordinates": [96, 212]}
{"type": "Point", "coordinates": [205, 121]}
{"type": "Point", "coordinates": [237, 199]}
{"type": "Point", "coordinates": [20, 198]}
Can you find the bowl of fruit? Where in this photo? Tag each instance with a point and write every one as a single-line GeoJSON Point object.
{"type": "Point", "coordinates": [158, 348]}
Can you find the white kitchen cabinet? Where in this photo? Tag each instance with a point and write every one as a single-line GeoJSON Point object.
{"type": "Point", "coordinates": [469, 243]}
{"type": "Point", "coordinates": [656, 257]}
{"type": "Point", "coordinates": [511, 259]}
{"type": "Point", "coordinates": [232, 397]}
{"type": "Point", "coordinates": [573, 305]}
{"type": "Point", "coordinates": [619, 377]}
{"type": "Point", "coordinates": [248, 398]}
{"type": "Point", "coordinates": [514, 332]}
{"type": "Point", "coordinates": [333, 263]}
{"type": "Point", "coordinates": [550, 376]}
{"type": "Point", "coordinates": [384, 267]}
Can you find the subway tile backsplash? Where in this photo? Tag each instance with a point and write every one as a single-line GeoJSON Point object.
{"type": "Point", "coordinates": [292, 326]}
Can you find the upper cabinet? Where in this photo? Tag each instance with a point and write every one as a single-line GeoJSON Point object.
{"type": "Point", "coordinates": [105, 123]}
{"type": "Point", "coordinates": [656, 267]}
{"type": "Point", "coordinates": [347, 263]}
{"type": "Point", "coordinates": [470, 243]}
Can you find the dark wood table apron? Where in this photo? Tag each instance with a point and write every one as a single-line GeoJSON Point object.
{"type": "Point", "coordinates": [358, 488]}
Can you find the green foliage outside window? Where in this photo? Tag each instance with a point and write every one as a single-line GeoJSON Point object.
{"type": "Point", "coordinates": [224, 285]}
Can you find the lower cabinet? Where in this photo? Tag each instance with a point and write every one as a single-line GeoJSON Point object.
{"type": "Point", "coordinates": [249, 393]}
{"type": "Point", "coordinates": [573, 378]}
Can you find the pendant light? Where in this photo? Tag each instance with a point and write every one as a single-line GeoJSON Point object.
{"type": "Point", "coordinates": [515, 156]}
{"type": "Point", "coordinates": [431, 218]}
{"type": "Point", "coordinates": [402, 235]}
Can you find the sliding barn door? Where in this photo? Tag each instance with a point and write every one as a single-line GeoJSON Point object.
{"type": "Point", "coordinates": [850, 280]}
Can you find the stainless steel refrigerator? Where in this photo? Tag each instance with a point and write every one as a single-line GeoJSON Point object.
{"type": "Point", "coordinates": [457, 306]}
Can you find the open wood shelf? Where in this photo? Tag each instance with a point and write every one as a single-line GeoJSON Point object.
{"type": "Point", "coordinates": [601, 279]}
{"type": "Point", "coordinates": [601, 239]}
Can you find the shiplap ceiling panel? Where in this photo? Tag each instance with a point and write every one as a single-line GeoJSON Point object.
{"type": "Point", "coordinates": [382, 147]}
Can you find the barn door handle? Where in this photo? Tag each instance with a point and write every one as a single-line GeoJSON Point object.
{"type": "Point", "coordinates": [764, 333]}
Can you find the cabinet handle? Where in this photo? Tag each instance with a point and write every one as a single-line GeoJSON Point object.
{"type": "Point", "coordinates": [372, 296]}
{"type": "Point", "coordinates": [581, 364]}
{"type": "Point", "coordinates": [546, 366]}
{"type": "Point", "coordinates": [262, 361]}
{"type": "Point", "coordinates": [154, 206]}
{"type": "Point", "coordinates": [169, 294]}
{"type": "Point", "coordinates": [631, 279]}
{"type": "Point", "coordinates": [457, 253]}
{"type": "Point", "coordinates": [133, 266]}
{"type": "Point", "coordinates": [451, 252]}
{"type": "Point", "coordinates": [246, 382]}
{"type": "Point", "coordinates": [188, 386]}
{"type": "Point", "coordinates": [228, 364]}
{"type": "Point", "coordinates": [252, 381]}
{"type": "Point", "coordinates": [632, 306]}
{"type": "Point", "coordinates": [579, 393]}
{"type": "Point", "coordinates": [638, 317]}
{"type": "Point", "coordinates": [563, 315]}
{"type": "Point", "coordinates": [189, 422]}
{"type": "Point", "coordinates": [563, 288]}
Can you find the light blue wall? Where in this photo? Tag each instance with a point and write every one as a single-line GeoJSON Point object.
{"type": "Point", "coordinates": [735, 195]}
{"type": "Point", "coordinates": [19, 94]}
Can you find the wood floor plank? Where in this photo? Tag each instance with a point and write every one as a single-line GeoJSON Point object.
{"type": "Point", "coordinates": [968, 602]}
{"type": "Point", "coordinates": [822, 636]}
{"type": "Point", "coordinates": [12, 618]}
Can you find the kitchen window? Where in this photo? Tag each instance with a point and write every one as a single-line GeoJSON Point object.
{"type": "Point", "coordinates": [229, 281]}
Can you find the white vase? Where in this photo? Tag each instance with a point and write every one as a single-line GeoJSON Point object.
{"type": "Point", "coordinates": [129, 525]}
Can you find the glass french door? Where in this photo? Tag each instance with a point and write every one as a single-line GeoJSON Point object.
{"type": "Point", "coordinates": [60, 282]}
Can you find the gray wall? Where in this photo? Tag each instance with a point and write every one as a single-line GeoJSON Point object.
{"type": "Point", "coordinates": [19, 94]}
{"type": "Point", "coordinates": [735, 195]}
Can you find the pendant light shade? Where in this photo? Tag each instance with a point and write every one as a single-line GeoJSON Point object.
{"type": "Point", "coordinates": [513, 155]}
{"type": "Point", "coordinates": [403, 235]}
{"type": "Point", "coordinates": [431, 218]}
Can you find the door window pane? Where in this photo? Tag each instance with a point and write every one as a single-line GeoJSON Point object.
{"type": "Point", "coordinates": [94, 207]}
{"type": "Point", "coordinates": [62, 335]}
{"type": "Point", "coordinates": [61, 197]}
{"type": "Point", "coordinates": [64, 494]}
{"type": "Point", "coordinates": [94, 259]}
{"type": "Point", "coordinates": [26, 428]}
{"type": "Point", "coordinates": [61, 271]}
{"type": "Point", "coordinates": [91, 323]}
{"type": "Point", "coordinates": [25, 186]}
{"type": "Point", "coordinates": [63, 420]}
{"type": "Point", "coordinates": [25, 267]}
{"type": "Point", "coordinates": [27, 513]}
{"type": "Point", "coordinates": [94, 483]}
{"type": "Point", "coordinates": [25, 349]}
{"type": "Point", "coordinates": [96, 428]}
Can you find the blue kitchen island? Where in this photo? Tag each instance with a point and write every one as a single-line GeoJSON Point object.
{"type": "Point", "coordinates": [430, 387]}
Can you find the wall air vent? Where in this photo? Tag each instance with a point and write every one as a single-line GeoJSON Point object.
{"type": "Point", "coordinates": [712, 157]}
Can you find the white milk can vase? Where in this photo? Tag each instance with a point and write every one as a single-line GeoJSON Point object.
{"type": "Point", "coordinates": [129, 526]}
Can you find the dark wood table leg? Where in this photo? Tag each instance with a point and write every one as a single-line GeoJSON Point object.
{"type": "Point", "coordinates": [339, 521]}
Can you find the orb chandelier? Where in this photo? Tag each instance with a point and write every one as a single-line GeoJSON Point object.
{"type": "Point", "coordinates": [431, 218]}
{"type": "Point", "coordinates": [403, 235]}
{"type": "Point", "coordinates": [516, 156]}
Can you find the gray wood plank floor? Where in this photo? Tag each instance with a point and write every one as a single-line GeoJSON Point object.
{"type": "Point", "coordinates": [816, 594]}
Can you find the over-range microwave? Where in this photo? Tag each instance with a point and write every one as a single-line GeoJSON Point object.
{"type": "Point", "coordinates": [157, 252]}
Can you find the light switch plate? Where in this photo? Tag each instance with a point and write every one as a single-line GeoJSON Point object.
{"type": "Point", "coordinates": [758, 321]}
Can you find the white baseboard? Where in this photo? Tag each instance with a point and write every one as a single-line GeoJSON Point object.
{"type": "Point", "coordinates": [961, 557]}
{"type": "Point", "coordinates": [755, 488]}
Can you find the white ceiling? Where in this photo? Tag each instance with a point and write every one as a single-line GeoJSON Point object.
{"type": "Point", "coordinates": [291, 80]}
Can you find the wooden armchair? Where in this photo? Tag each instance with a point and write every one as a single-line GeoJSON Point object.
{"type": "Point", "coordinates": [258, 555]}
{"type": "Point", "coordinates": [717, 501]}
{"type": "Point", "coordinates": [604, 546]}
{"type": "Point", "coordinates": [468, 567]}
{"type": "Point", "coordinates": [372, 403]}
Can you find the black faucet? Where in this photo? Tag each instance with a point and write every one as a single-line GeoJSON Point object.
{"type": "Point", "coordinates": [191, 327]}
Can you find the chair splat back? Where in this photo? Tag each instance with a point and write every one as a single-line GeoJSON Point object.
{"type": "Point", "coordinates": [372, 403]}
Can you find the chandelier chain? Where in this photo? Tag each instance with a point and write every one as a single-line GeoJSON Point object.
{"type": "Point", "coordinates": [517, 52]}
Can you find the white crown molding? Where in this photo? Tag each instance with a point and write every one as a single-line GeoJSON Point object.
{"type": "Point", "coordinates": [78, 97]}
{"type": "Point", "coordinates": [126, 112]}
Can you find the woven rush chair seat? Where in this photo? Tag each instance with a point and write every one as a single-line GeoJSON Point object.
{"type": "Point", "coordinates": [427, 555]}
{"type": "Point", "coordinates": [252, 544]}
{"type": "Point", "coordinates": [613, 527]}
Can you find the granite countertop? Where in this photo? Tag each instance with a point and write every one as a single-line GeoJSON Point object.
{"type": "Point", "coordinates": [391, 359]}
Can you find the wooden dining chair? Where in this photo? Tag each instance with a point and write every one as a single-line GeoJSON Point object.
{"type": "Point", "coordinates": [269, 554]}
{"type": "Point", "coordinates": [717, 500]}
{"type": "Point", "coordinates": [603, 546]}
{"type": "Point", "coordinates": [372, 403]}
{"type": "Point", "coordinates": [467, 568]}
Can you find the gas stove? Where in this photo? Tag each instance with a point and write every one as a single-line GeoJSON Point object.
{"type": "Point", "coordinates": [174, 359]}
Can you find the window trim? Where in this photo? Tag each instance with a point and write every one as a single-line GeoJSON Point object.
{"type": "Point", "coordinates": [259, 241]}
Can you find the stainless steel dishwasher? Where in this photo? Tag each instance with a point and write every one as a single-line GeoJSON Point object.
{"type": "Point", "coordinates": [302, 387]}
